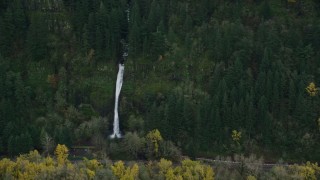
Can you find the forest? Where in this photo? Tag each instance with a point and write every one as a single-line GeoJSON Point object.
{"type": "Point", "coordinates": [204, 78]}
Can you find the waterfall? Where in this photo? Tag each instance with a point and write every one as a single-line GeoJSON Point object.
{"type": "Point", "coordinates": [116, 129]}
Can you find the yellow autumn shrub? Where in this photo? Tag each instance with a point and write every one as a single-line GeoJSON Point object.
{"type": "Point", "coordinates": [250, 177]}
{"type": "Point", "coordinates": [92, 164]}
{"type": "Point", "coordinates": [125, 173]}
{"type": "Point", "coordinates": [195, 170]}
{"type": "Point", "coordinates": [61, 153]}
{"type": "Point", "coordinates": [155, 137]}
{"type": "Point", "coordinates": [6, 167]}
{"type": "Point", "coordinates": [312, 89]}
{"type": "Point", "coordinates": [309, 171]}
{"type": "Point", "coordinates": [171, 175]}
{"type": "Point", "coordinates": [164, 165]}
{"type": "Point", "coordinates": [236, 135]}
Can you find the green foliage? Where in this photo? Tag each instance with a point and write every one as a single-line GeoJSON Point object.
{"type": "Point", "coordinates": [133, 144]}
{"type": "Point", "coordinates": [196, 70]}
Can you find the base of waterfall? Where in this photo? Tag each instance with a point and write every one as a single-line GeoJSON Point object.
{"type": "Point", "coordinates": [113, 136]}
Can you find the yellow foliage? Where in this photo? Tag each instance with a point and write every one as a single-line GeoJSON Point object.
{"type": "Point", "coordinates": [125, 173]}
{"type": "Point", "coordinates": [93, 164]}
{"type": "Point", "coordinates": [308, 171]}
{"type": "Point", "coordinates": [209, 173]}
{"type": "Point", "coordinates": [195, 170]}
{"type": "Point", "coordinates": [164, 165]}
{"type": "Point", "coordinates": [118, 169]}
{"type": "Point", "coordinates": [6, 167]}
{"type": "Point", "coordinates": [49, 161]}
{"type": "Point", "coordinates": [155, 137]}
{"type": "Point", "coordinates": [312, 89]}
{"type": "Point", "coordinates": [236, 136]}
{"type": "Point", "coordinates": [251, 178]}
{"type": "Point", "coordinates": [61, 153]}
{"type": "Point", "coordinates": [132, 173]}
{"type": "Point", "coordinates": [32, 156]}
{"type": "Point", "coordinates": [170, 175]}
{"type": "Point", "coordinates": [33, 166]}
{"type": "Point", "coordinates": [90, 173]}
{"type": "Point", "coordinates": [315, 168]}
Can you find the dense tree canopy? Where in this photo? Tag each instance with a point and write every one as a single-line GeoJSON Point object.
{"type": "Point", "coordinates": [197, 70]}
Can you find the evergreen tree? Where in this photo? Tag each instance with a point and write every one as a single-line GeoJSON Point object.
{"type": "Point", "coordinates": [242, 114]}
{"type": "Point", "coordinates": [134, 40]}
{"type": "Point", "coordinates": [25, 141]}
{"type": "Point", "coordinates": [37, 38]}
{"type": "Point", "coordinates": [171, 117]}
{"type": "Point", "coordinates": [188, 24]}
{"type": "Point", "coordinates": [7, 32]}
{"type": "Point", "coordinates": [91, 31]}
{"type": "Point", "coordinates": [115, 32]}
{"type": "Point", "coordinates": [154, 17]}
{"type": "Point", "coordinates": [158, 44]}
{"type": "Point", "coordinates": [263, 119]}
{"type": "Point", "coordinates": [226, 112]}
{"type": "Point", "coordinates": [292, 96]}
{"type": "Point", "coordinates": [61, 94]}
{"type": "Point", "coordinates": [99, 43]}
{"type": "Point", "coordinates": [266, 11]}
{"type": "Point", "coordinates": [236, 124]}
{"type": "Point", "coordinates": [11, 146]}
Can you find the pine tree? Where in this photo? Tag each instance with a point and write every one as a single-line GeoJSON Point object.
{"type": "Point", "coordinates": [188, 24]}
{"type": "Point", "coordinates": [260, 87]}
{"type": "Point", "coordinates": [235, 117]}
{"type": "Point", "coordinates": [21, 97]}
{"type": "Point", "coordinates": [91, 31]}
{"type": "Point", "coordinates": [154, 17]}
{"type": "Point", "coordinates": [222, 88]}
{"type": "Point", "coordinates": [242, 114]}
{"type": "Point", "coordinates": [275, 99]}
{"type": "Point", "coordinates": [115, 32]}
{"type": "Point", "coordinates": [134, 40]}
{"type": "Point", "coordinates": [226, 112]}
{"type": "Point", "coordinates": [11, 146]}
{"type": "Point", "coordinates": [20, 19]}
{"type": "Point", "coordinates": [267, 130]}
{"type": "Point", "coordinates": [170, 117]}
{"type": "Point", "coordinates": [269, 85]}
{"type": "Point", "coordinates": [219, 127]}
{"type": "Point", "coordinates": [263, 118]}
{"type": "Point", "coordinates": [266, 11]}
{"type": "Point", "coordinates": [292, 96]}
{"type": "Point", "coordinates": [235, 73]}
{"type": "Point", "coordinates": [61, 94]}
{"type": "Point", "coordinates": [7, 32]}
{"type": "Point", "coordinates": [37, 38]}
{"type": "Point", "coordinates": [25, 141]}
{"type": "Point", "coordinates": [99, 43]}
{"type": "Point", "coordinates": [158, 46]}
{"type": "Point", "coordinates": [265, 62]}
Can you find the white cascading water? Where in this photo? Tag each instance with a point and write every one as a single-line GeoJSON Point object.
{"type": "Point", "coordinates": [116, 128]}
